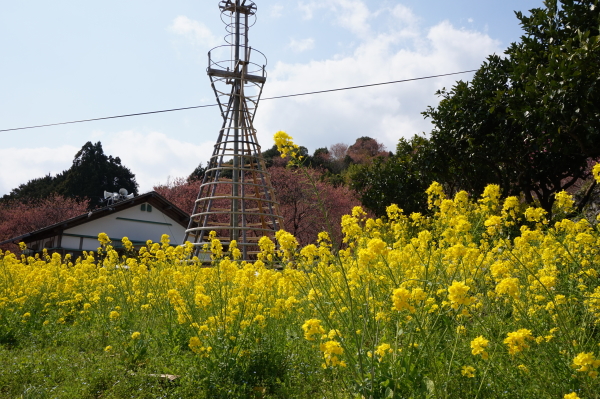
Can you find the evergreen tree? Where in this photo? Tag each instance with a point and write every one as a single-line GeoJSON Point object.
{"type": "Point", "coordinates": [91, 173]}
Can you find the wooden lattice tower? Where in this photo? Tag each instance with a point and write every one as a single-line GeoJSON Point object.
{"type": "Point", "coordinates": [236, 197]}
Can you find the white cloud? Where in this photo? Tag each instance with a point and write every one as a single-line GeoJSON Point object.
{"type": "Point", "coordinates": [198, 33]}
{"type": "Point", "coordinates": [301, 45]}
{"type": "Point", "coordinates": [308, 9]}
{"type": "Point", "coordinates": [396, 49]}
{"type": "Point", "coordinates": [152, 157]}
{"type": "Point", "coordinates": [352, 15]}
{"type": "Point", "coordinates": [19, 165]}
{"type": "Point", "coordinates": [276, 11]}
{"type": "Point", "coordinates": [349, 14]}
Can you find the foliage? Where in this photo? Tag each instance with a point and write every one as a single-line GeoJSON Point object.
{"type": "Point", "coordinates": [529, 121]}
{"type": "Point", "coordinates": [198, 173]}
{"type": "Point", "coordinates": [91, 173]}
{"type": "Point", "coordinates": [37, 188]}
{"type": "Point", "coordinates": [181, 192]}
{"type": "Point", "coordinates": [459, 304]}
{"type": "Point", "coordinates": [272, 157]}
{"type": "Point", "coordinates": [299, 203]}
{"type": "Point", "coordinates": [17, 218]}
{"type": "Point", "coordinates": [364, 149]}
{"type": "Point", "coordinates": [399, 179]}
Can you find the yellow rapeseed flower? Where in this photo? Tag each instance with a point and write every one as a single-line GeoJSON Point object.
{"type": "Point", "coordinates": [383, 349]}
{"type": "Point", "coordinates": [285, 145]}
{"type": "Point", "coordinates": [103, 238]}
{"type": "Point", "coordinates": [596, 172]}
{"type": "Point", "coordinates": [435, 195]}
{"type": "Point", "coordinates": [535, 214]}
{"type": "Point", "coordinates": [564, 202]}
{"type": "Point", "coordinates": [312, 327]}
{"type": "Point", "coordinates": [330, 351]}
{"type": "Point", "coordinates": [468, 371]}
{"type": "Point", "coordinates": [587, 362]}
{"type": "Point", "coordinates": [401, 297]}
{"type": "Point", "coordinates": [478, 346]}
{"type": "Point", "coordinates": [457, 294]}
{"type": "Point", "coordinates": [517, 340]}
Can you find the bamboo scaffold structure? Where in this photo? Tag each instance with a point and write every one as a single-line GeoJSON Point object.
{"type": "Point", "coordinates": [236, 198]}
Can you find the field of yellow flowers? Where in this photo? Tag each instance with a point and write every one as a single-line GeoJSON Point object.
{"type": "Point", "coordinates": [482, 299]}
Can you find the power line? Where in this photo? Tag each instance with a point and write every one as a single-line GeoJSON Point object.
{"type": "Point", "coordinates": [369, 85]}
{"type": "Point", "coordinates": [214, 105]}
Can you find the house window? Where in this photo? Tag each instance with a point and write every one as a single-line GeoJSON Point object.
{"type": "Point", "coordinates": [143, 207]}
{"type": "Point", "coordinates": [149, 208]}
{"type": "Point", "coordinates": [146, 208]}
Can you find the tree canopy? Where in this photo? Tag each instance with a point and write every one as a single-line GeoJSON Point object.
{"type": "Point", "coordinates": [91, 173]}
{"type": "Point", "coordinates": [528, 121]}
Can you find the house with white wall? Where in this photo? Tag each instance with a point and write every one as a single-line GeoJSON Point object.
{"type": "Point", "coordinates": [142, 218]}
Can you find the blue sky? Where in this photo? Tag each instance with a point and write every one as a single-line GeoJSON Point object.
{"type": "Point", "coordinates": [66, 60]}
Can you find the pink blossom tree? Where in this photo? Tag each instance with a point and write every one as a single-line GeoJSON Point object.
{"type": "Point", "coordinates": [21, 217]}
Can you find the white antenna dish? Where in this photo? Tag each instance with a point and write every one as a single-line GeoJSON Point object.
{"type": "Point", "coordinates": [123, 192]}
